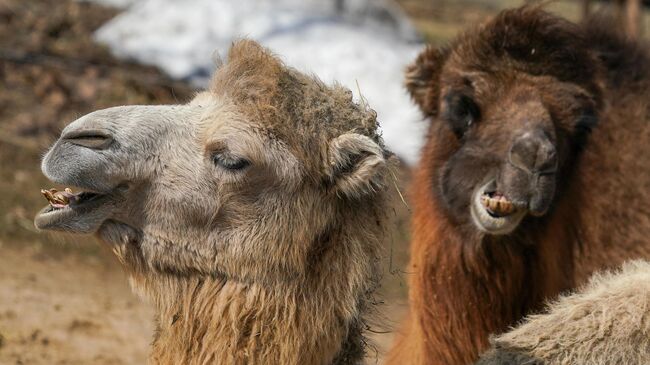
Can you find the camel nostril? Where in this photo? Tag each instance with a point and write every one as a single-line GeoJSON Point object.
{"type": "Point", "coordinates": [546, 160]}
{"type": "Point", "coordinates": [93, 139]}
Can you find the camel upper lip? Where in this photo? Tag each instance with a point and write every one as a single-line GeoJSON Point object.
{"type": "Point", "coordinates": [493, 212]}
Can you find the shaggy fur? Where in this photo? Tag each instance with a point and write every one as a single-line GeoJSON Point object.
{"type": "Point", "coordinates": [586, 89]}
{"type": "Point", "coordinates": [251, 218]}
{"type": "Point", "coordinates": [606, 322]}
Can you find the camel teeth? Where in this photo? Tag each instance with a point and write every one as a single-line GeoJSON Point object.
{"type": "Point", "coordinates": [504, 206]}
{"type": "Point", "coordinates": [499, 205]}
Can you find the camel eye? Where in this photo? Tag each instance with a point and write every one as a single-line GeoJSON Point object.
{"type": "Point", "coordinates": [460, 112]}
{"type": "Point", "coordinates": [230, 163]}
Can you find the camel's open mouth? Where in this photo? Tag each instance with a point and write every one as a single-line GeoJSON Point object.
{"type": "Point", "coordinates": [66, 198]}
{"type": "Point", "coordinates": [493, 212]}
{"type": "Point", "coordinates": [80, 212]}
{"type": "Point", "coordinates": [496, 204]}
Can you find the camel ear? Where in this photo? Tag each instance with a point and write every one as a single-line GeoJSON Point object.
{"type": "Point", "coordinates": [422, 79]}
{"type": "Point", "coordinates": [356, 165]}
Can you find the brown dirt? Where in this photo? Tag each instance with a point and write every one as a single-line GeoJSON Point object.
{"type": "Point", "coordinates": [51, 71]}
{"type": "Point", "coordinates": [68, 309]}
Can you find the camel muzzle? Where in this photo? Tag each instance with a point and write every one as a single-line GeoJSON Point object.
{"type": "Point", "coordinates": [87, 159]}
{"type": "Point", "coordinates": [529, 175]}
{"type": "Point", "coordinates": [525, 184]}
{"type": "Point", "coordinates": [101, 156]}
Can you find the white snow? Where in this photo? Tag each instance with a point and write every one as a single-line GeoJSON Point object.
{"type": "Point", "coordinates": [369, 42]}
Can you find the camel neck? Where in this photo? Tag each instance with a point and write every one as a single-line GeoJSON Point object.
{"type": "Point", "coordinates": [468, 286]}
{"type": "Point", "coordinates": [314, 316]}
{"type": "Point", "coordinates": [212, 320]}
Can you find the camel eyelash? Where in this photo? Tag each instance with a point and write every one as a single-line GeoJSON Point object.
{"type": "Point", "coordinates": [229, 162]}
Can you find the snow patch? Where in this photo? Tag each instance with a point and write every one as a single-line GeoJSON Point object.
{"type": "Point", "coordinates": [355, 42]}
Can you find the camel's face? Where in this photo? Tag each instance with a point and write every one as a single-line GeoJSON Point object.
{"type": "Point", "coordinates": [205, 186]}
{"type": "Point", "coordinates": [508, 150]}
{"type": "Point", "coordinates": [191, 173]}
{"type": "Point", "coordinates": [508, 115]}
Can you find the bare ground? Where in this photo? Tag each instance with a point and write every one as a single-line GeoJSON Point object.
{"type": "Point", "coordinates": [70, 309]}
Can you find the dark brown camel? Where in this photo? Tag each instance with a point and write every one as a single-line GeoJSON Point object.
{"type": "Point", "coordinates": [536, 173]}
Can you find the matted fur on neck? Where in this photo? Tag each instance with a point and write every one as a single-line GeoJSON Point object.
{"type": "Point", "coordinates": [314, 319]}
{"type": "Point", "coordinates": [219, 321]}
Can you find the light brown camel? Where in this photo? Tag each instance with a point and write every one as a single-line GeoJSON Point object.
{"type": "Point", "coordinates": [606, 322]}
{"type": "Point", "coordinates": [250, 217]}
{"type": "Point", "coordinates": [535, 174]}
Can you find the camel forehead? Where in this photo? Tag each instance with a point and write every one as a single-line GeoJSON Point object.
{"type": "Point", "coordinates": [222, 119]}
{"type": "Point", "coordinates": [221, 114]}
{"type": "Point", "coordinates": [528, 41]}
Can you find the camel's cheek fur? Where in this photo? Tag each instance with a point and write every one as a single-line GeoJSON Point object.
{"type": "Point", "coordinates": [242, 208]}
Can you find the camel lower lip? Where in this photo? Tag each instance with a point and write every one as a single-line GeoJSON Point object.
{"type": "Point", "coordinates": [494, 215]}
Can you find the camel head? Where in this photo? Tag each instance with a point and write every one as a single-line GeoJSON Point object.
{"type": "Point", "coordinates": [244, 181]}
{"type": "Point", "coordinates": [510, 105]}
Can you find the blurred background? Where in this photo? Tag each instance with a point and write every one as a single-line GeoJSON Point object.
{"type": "Point", "coordinates": [64, 300]}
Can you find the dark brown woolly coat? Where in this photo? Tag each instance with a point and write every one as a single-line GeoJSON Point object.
{"type": "Point", "coordinates": [468, 285]}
